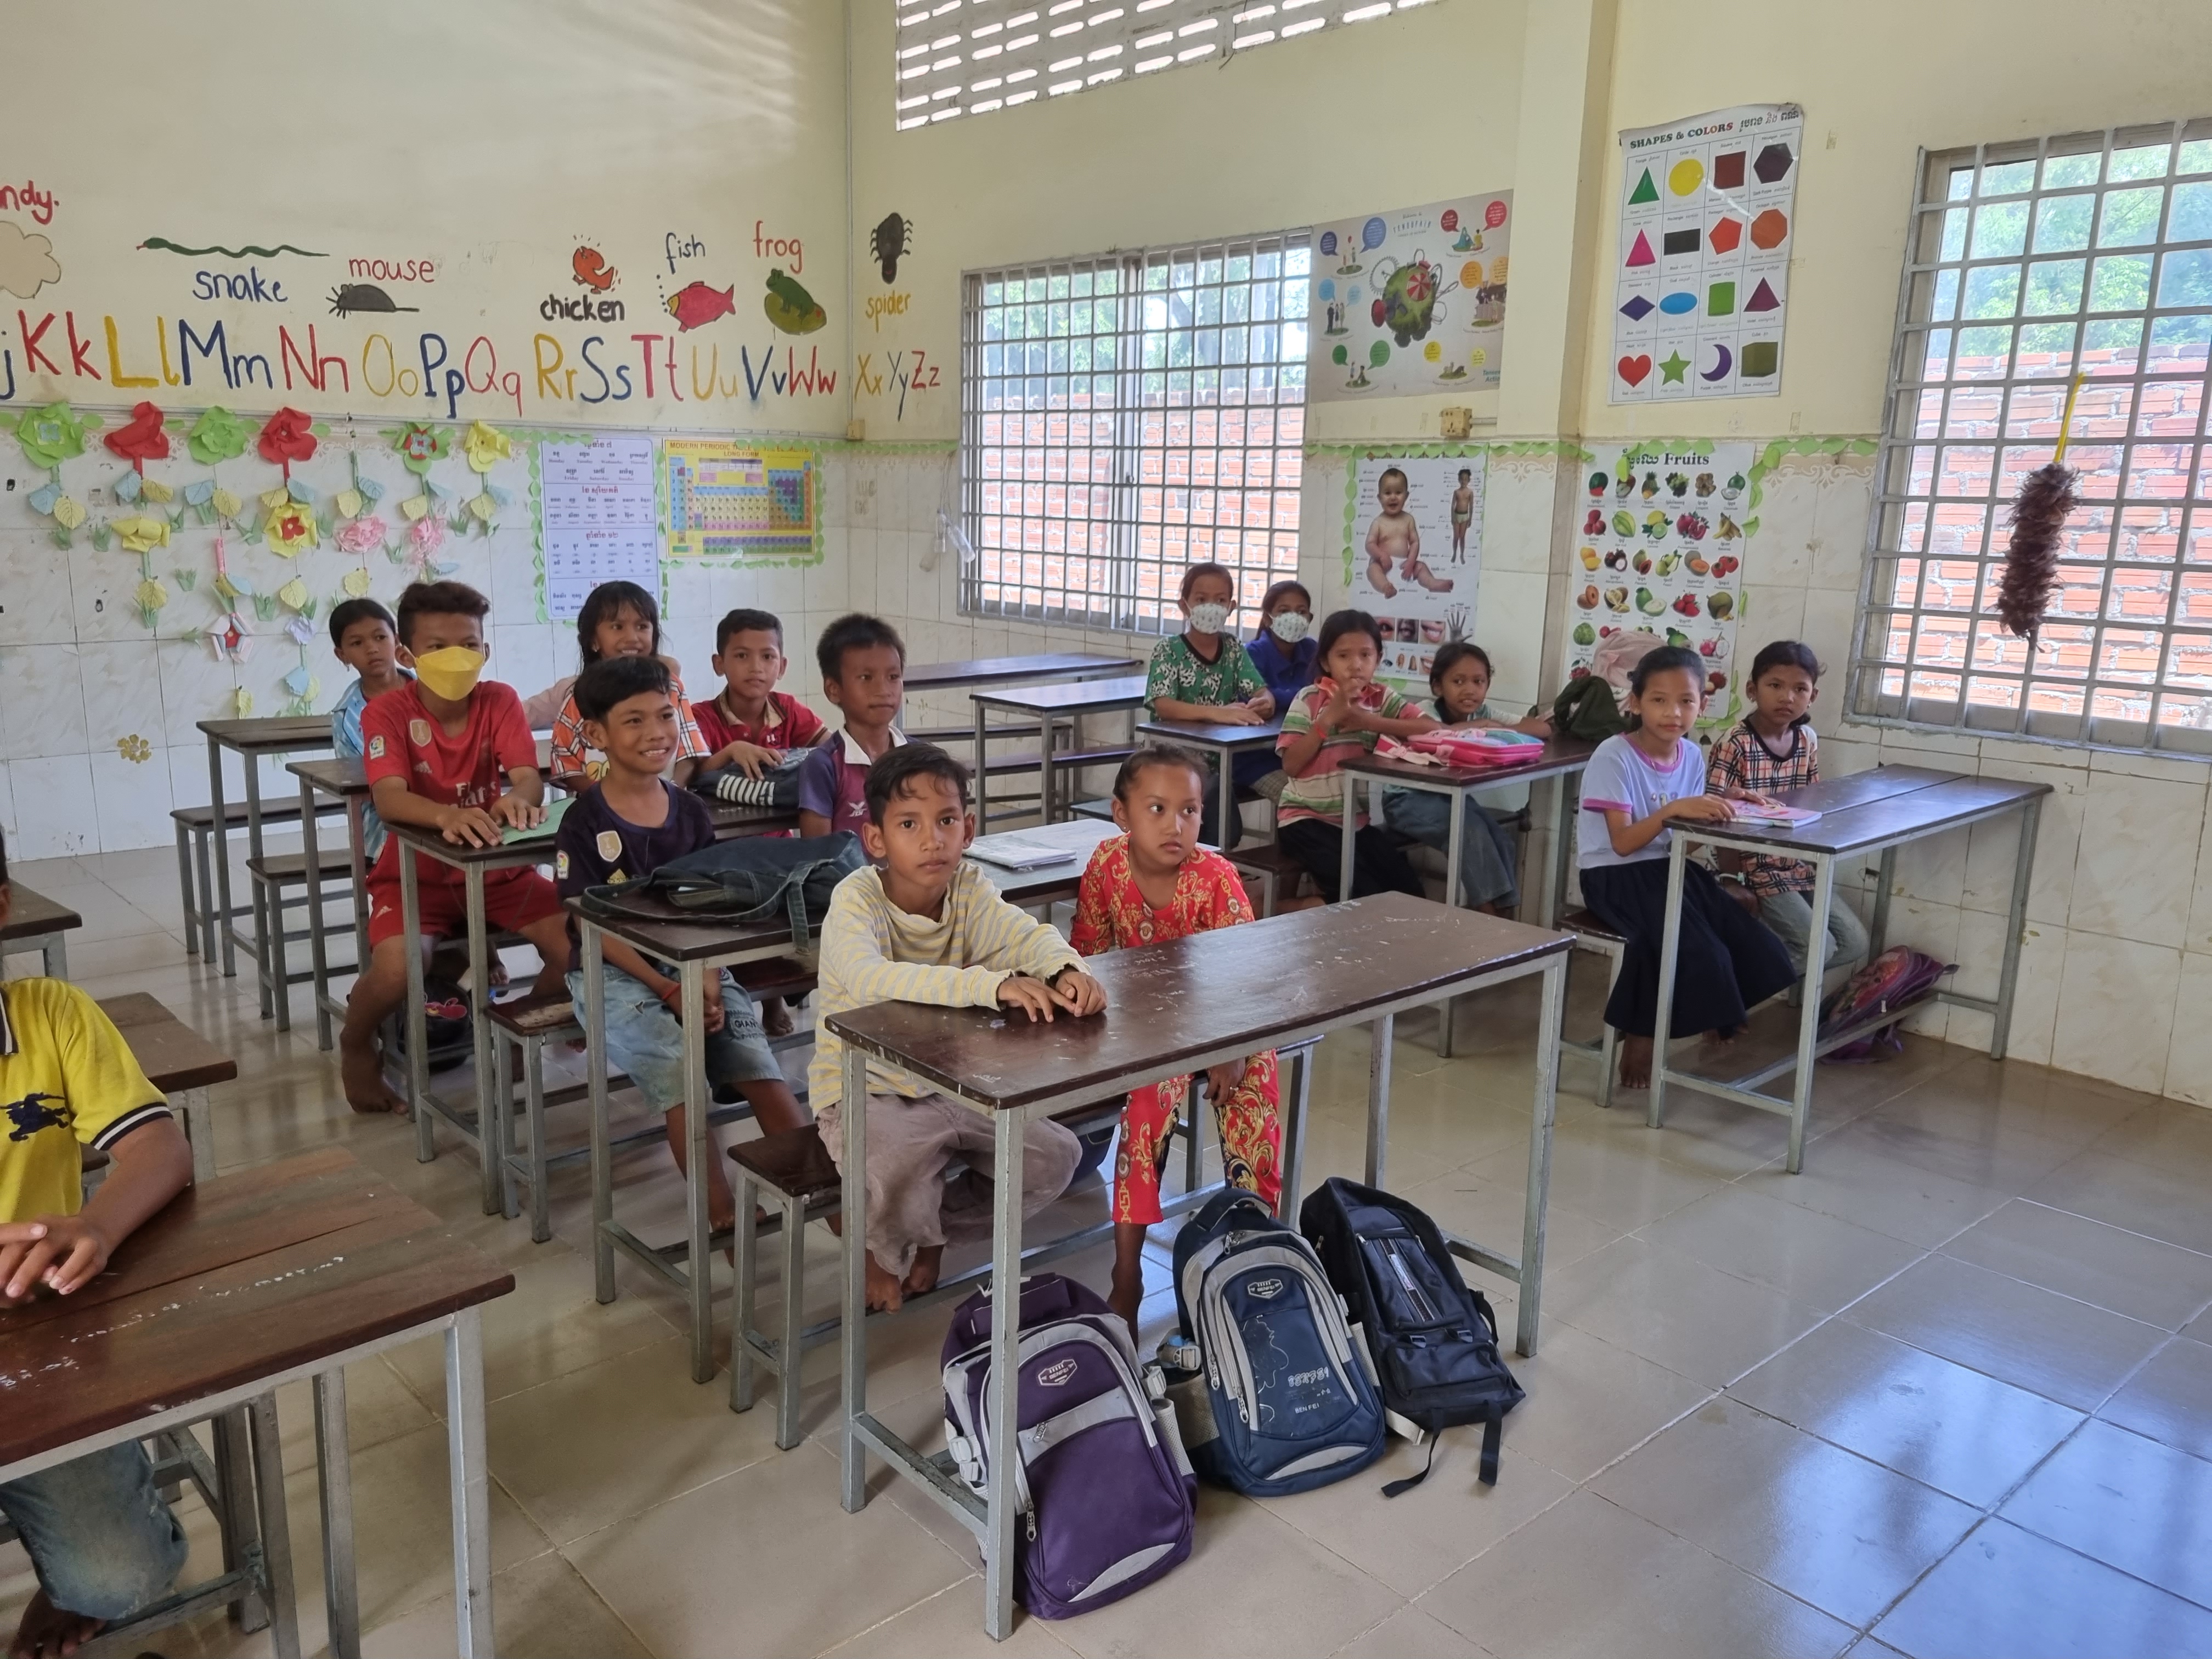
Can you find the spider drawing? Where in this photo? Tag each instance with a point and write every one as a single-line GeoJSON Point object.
{"type": "Point", "coordinates": [890, 241]}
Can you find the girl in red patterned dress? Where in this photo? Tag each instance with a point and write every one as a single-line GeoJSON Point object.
{"type": "Point", "coordinates": [1151, 884]}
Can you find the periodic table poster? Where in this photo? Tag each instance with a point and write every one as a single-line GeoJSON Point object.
{"type": "Point", "coordinates": [736, 500]}
{"type": "Point", "coordinates": [1707, 225]}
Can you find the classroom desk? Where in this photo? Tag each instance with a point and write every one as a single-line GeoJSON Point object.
{"type": "Point", "coordinates": [1012, 671]}
{"type": "Point", "coordinates": [179, 1062]}
{"type": "Point", "coordinates": [1362, 963]}
{"type": "Point", "coordinates": [1224, 743]}
{"type": "Point", "coordinates": [1049, 884]}
{"type": "Point", "coordinates": [1049, 705]}
{"type": "Point", "coordinates": [347, 782]}
{"type": "Point", "coordinates": [292, 1270]}
{"type": "Point", "coordinates": [1562, 761]}
{"type": "Point", "coordinates": [698, 950]}
{"type": "Point", "coordinates": [35, 922]}
{"type": "Point", "coordinates": [1876, 810]}
{"type": "Point", "coordinates": [275, 735]}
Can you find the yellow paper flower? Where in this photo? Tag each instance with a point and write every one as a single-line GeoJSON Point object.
{"type": "Point", "coordinates": [135, 749]}
{"type": "Point", "coordinates": [486, 446]}
{"type": "Point", "coordinates": [69, 513]}
{"type": "Point", "coordinates": [225, 505]}
{"type": "Point", "coordinates": [140, 535]}
{"type": "Point", "coordinates": [151, 595]}
{"type": "Point", "coordinates": [155, 491]}
{"type": "Point", "coordinates": [356, 583]}
{"type": "Point", "coordinates": [290, 528]}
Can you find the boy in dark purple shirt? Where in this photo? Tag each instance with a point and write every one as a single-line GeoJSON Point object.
{"type": "Point", "coordinates": [863, 663]}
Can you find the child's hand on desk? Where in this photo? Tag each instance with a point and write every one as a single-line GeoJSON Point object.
{"type": "Point", "coordinates": [59, 1251]}
{"type": "Point", "coordinates": [710, 1006]}
{"type": "Point", "coordinates": [1078, 992]}
{"type": "Point", "coordinates": [520, 813]}
{"type": "Point", "coordinates": [1032, 996]}
{"type": "Point", "coordinates": [1751, 796]}
{"type": "Point", "coordinates": [1699, 809]}
{"type": "Point", "coordinates": [468, 826]}
{"type": "Point", "coordinates": [748, 758]}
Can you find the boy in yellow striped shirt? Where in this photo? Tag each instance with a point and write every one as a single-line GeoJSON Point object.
{"type": "Point", "coordinates": [924, 925]}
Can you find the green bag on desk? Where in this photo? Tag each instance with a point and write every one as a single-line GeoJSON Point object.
{"type": "Point", "coordinates": [748, 879]}
{"type": "Point", "coordinates": [1585, 709]}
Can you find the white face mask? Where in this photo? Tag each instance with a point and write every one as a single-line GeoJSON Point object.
{"type": "Point", "coordinates": [1289, 626]}
{"type": "Point", "coordinates": [1208, 618]}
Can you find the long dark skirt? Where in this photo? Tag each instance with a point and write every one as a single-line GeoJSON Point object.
{"type": "Point", "coordinates": [1729, 962]}
{"type": "Point", "coordinates": [1378, 866]}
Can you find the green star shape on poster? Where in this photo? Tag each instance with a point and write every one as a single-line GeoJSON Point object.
{"type": "Point", "coordinates": [1673, 367]}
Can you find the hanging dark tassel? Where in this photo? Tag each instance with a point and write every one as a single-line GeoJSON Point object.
{"type": "Point", "coordinates": [2038, 516]}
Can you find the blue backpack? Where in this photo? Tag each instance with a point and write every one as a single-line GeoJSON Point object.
{"type": "Point", "coordinates": [1271, 1393]}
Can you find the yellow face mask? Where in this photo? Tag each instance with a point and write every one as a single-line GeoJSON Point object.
{"type": "Point", "coordinates": [450, 673]}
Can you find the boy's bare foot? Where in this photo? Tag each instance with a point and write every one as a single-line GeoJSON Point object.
{"type": "Point", "coordinates": [1126, 1292]}
{"type": "Point", "coordinates": [928, 1261]}
{"type": "Point", "coordinates": [366, 1090]}
{"type": "Point", "coordinates": [885, 1293]}
{"type": "Point", "coordinates": [1636, 1062]}
{"type": "Point", "coordinates": [48, 1630]}
{"type": "Point", "coordinates": [775, 1016]}
{"type": "Point", "coordinates": [1723, 1040]}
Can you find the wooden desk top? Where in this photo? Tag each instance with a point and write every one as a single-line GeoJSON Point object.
{"type": "Point", "coordinates": [32, 914]}
{"type": "Point", "coordinates": [271, 733]}
{"type": "Point", "coordinates": [431, 844]}
{"type": "Point", "coordinates": [1077, 696]}
{"type": "Point", "coordinates": [173, 1056]}
{"type": "Point", "coordinates": [1882, 822]}
{"type": "Point", "coordinates": [1561, 755]}
{"type": "Point", "coordinates": [1208, 734]}
{"type": "Point", "coordinates": [1001, 671]}
{"type": "Point", "coordinates": [334, 776]}
{"type": "Point", "coordinates": [1078, 837]}
{"type": "Point", "coordinates": [239, 1278]}
{"type": "Point", "coordinates": [1243, 988]}
{"type": "Point", "coordinates": [683, 936]}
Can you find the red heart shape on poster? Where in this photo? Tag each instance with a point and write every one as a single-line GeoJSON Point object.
{"type": "Point", "coordinates": [1633, 369]}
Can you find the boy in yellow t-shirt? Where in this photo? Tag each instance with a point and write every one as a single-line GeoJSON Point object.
{"type": "Point", "coordinates": [101, 1538]}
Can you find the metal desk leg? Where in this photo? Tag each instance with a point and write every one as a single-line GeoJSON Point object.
{"type": "Point", "coordinates": [1568, 796]}
{"type": "Point", "coordinates": [595, 1070]}
{"type": "Point", "coordinates": [691, 979]}
{"type": "Point", "coordinates": [261, 892]}
{"type": "Point", "coordinates": [418, 1035]}
{"type": "Point", "coordinates": [55, 952]}
{"type": "Point", "coordinates": [853, 1111]}
{"type": "Point", "coordinates": [982, 754]}
{"type": "Point", "coordinates": [1808, 1014]}
{"type": "Point", "coordinates": [276, 1535]}
{"type": "Point", "coordinates": [2023, 870]}
{"type": "Point", "coordinates": [1453, 844]}
{"type": "Point", "coordinates": [1047, 731]}
{"type": "Point", "coordinates": [1004, 1404]}
{"type": "Point", "coordinates": [193, 902]}
{"type": "Point", "coordinates": [318, 954]}
{"type": "Point", "coordinates": [493, 1096]}
{"type": "Point", "coordinates": [191, 1106]}
{"type": "Point", "coordinates": [207, 894]}
{"type": "Point", "coordinates": [222, 838]}
{"type": "Point", "coordinates": [333, 1459]}
{"type": "Point", "coordinates": [1344, 855]}
{"type": "Point", "coordinates": [1670, 949]}
{"type": "Point", "coordinates": [1546, 1114]}
{"type": "Point", "coordinates": [1226, 804]}
{"type": "Point", "coordinates": [1380, 1034]}
{"type": "Point", "coordinates": [472, 1484]}
{"type": "Point", "coordinates": [1294, 1134]}
{"type": "Point", "coordinates": [1878, 929]}
{"type": "Point", "coordinates": [233, 1462]}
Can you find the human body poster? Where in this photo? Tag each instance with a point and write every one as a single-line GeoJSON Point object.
{"type": "Point", "coordinates": [1413, 539]}
{"type": "Point", "coordinates": [1661, 549]}
{"type": "Point", "coordinates": [1707, 225]}
{"type": "Point", "coordinates": [1410, 302]}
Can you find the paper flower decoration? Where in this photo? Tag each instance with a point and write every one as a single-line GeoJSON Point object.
{"type": "Point", "coordinates": [290, 528]}
{"type": "Point", "coordinates": [428, 536]}
{"type": "Point", "coordinates": [301, 632]}
{"type": "Point", "coordinates": [52, 435]}
{"type": "Point", "coordinates": [485, 447]}
{"type": "Point", "coordinates": [294, 593]}
{"type": "Point", "coordinates": [130, 487]}
{"type": "Point", "coordinates": [347, 503]}
{"type": "Point", "coordinates": [155, 491]}
{"type": "Point", "coordinates": [356, 584]}
{"type": "Point", "coordinates": [360, 535]}
{"type": "Point", "coordinates": [483, 509]}
{"type": "Point", "coordinates": [243, 701]}
{"type": "Point", "coordinates": [287, 436]}
{"type": "Point", "coordinates": [69, 513]}
{"type": "Point", "coordinates": [151, 596]}
{"type": "Point", "coordinates": [141, 535]}
{"type": "Point", "coordinates": [134, 749]}
{"type": "Point", "coordinates": [225, 505]}
{"type": "Point", "coordinates": [217, 435]}
{"type": "Point", "coordinates": [420, 444]}
{"type": "Point", "coordinates": [142, 439]}
{"type": "Point", "coordinates": [415, 506]}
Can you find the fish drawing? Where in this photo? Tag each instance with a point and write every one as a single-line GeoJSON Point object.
{"type": "Point", "coordinates": [592, 270]}
{"type": "Point", "coordinates": [699, 304]}
{"type": "Point", "coordinates": [790, 306]}
{"type": "Point", "coordinates": [349, 297]}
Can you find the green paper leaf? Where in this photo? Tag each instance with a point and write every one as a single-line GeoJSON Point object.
{"type": "Point", "coordinates": [62, 538]}
{"type": "Point", "coordinates": [100, 538]}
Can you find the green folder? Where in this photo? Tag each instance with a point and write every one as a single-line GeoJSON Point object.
{"type": "Point", "coordinates": [554, 811]}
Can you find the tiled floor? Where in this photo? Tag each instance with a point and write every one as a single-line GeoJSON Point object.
{"type": "Point", "coordinates": [1948, 1392]}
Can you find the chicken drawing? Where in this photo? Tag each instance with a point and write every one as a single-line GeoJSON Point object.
{"type": "Point", "coordinates": [593, 270]}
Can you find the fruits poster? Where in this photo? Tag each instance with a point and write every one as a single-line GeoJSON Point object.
{"type": "Point", "coordinates": [1701, 289]}
{"type": "Point", "coordinates": [1410, 302]}
{"type": "Point", "coordinates": [1412, 548]}
{"type": "Point", "coordinates": [1661, 549]}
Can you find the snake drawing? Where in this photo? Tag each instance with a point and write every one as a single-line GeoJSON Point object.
{"type": "Point", "coordinates": [246, 251]}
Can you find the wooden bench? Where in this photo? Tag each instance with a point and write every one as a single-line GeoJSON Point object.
{"type": "Point", "coordinates": [36, 922]}
{"type": "Point", "coordinates": [179, 1062]}
{"type": "Point", "coordinates": [277, 874]}
{"type": "Point", "coordinates": [1595, 937]}
{"type": "Point", "coordinates": [1277, 873]}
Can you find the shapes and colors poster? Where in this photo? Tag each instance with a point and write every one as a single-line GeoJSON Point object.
{"type": "Point", "coordinates": [1410, 302]}
{"type": "Point", "coordinates": [1708, 210]}
{"type": "Point", "coordinates": [1412, 551]}
{"type": "Point", "coordinates": [1661, 534]}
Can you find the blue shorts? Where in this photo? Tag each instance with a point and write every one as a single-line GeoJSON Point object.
{"type": "Point", "coordinates": [645, 1038]}
{"type": "Point", "coordinates": [104, 1543]}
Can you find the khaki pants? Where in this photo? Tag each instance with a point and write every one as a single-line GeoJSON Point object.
{"type": "Point", "coordinates": [912, 1143]}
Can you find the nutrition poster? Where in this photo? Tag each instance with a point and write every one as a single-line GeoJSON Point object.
{"type": "Point", "coordinates": [1707, 223]}
{"type": "Point", "coordinates": [1664, 528]}
{"type": "Point", "coordinates": [731, 500]}
{"type": "Point", "coordinates": [1413, 550]}
{"type": "Point", "coordinates": [596, 521]}
{"type": "Point", "coordinates": [1410, 302]}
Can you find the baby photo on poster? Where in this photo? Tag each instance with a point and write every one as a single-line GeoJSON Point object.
{"type": "Point", "coordinates": [1414, 552]}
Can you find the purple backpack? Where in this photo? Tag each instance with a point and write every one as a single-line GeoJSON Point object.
{"type": "Point", "coordinates": [1105, 1492]}
{"type": "Point", "coordinates": [1897, 978]}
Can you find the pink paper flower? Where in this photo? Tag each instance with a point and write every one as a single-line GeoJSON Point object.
{"type": "Point", "coordinates": [362, 535]}
{"type": "Point", "coordinates": [428, 536]}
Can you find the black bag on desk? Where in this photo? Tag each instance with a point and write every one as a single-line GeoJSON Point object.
{"type": "Point", "coordinates": [747, 878]}
{"type": "Point", "coordinates": [1433, 1341]}
{"type": "Point", "coordinates": [776, 788]}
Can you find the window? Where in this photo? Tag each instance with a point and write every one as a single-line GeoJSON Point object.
{"type": "Point", "coordinates": [1125, 417]}
{"type": "Point", "coordinates": [955, 58]}
{"type": "Point", "coordinates": [2026, 264]}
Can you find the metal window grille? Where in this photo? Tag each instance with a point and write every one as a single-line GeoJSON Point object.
{"type": "Point", "coordinates": [1125, 417]}
{"type": "Point", "coordinates": [2026, 263]}
{"type": "Point", "coordinates": [955, 57]}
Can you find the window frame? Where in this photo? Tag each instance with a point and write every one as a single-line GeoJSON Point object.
{"type": "Point", "coordinates": [1122, 602]}
{"type": "Point", "coordinates": [1920, 409]}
